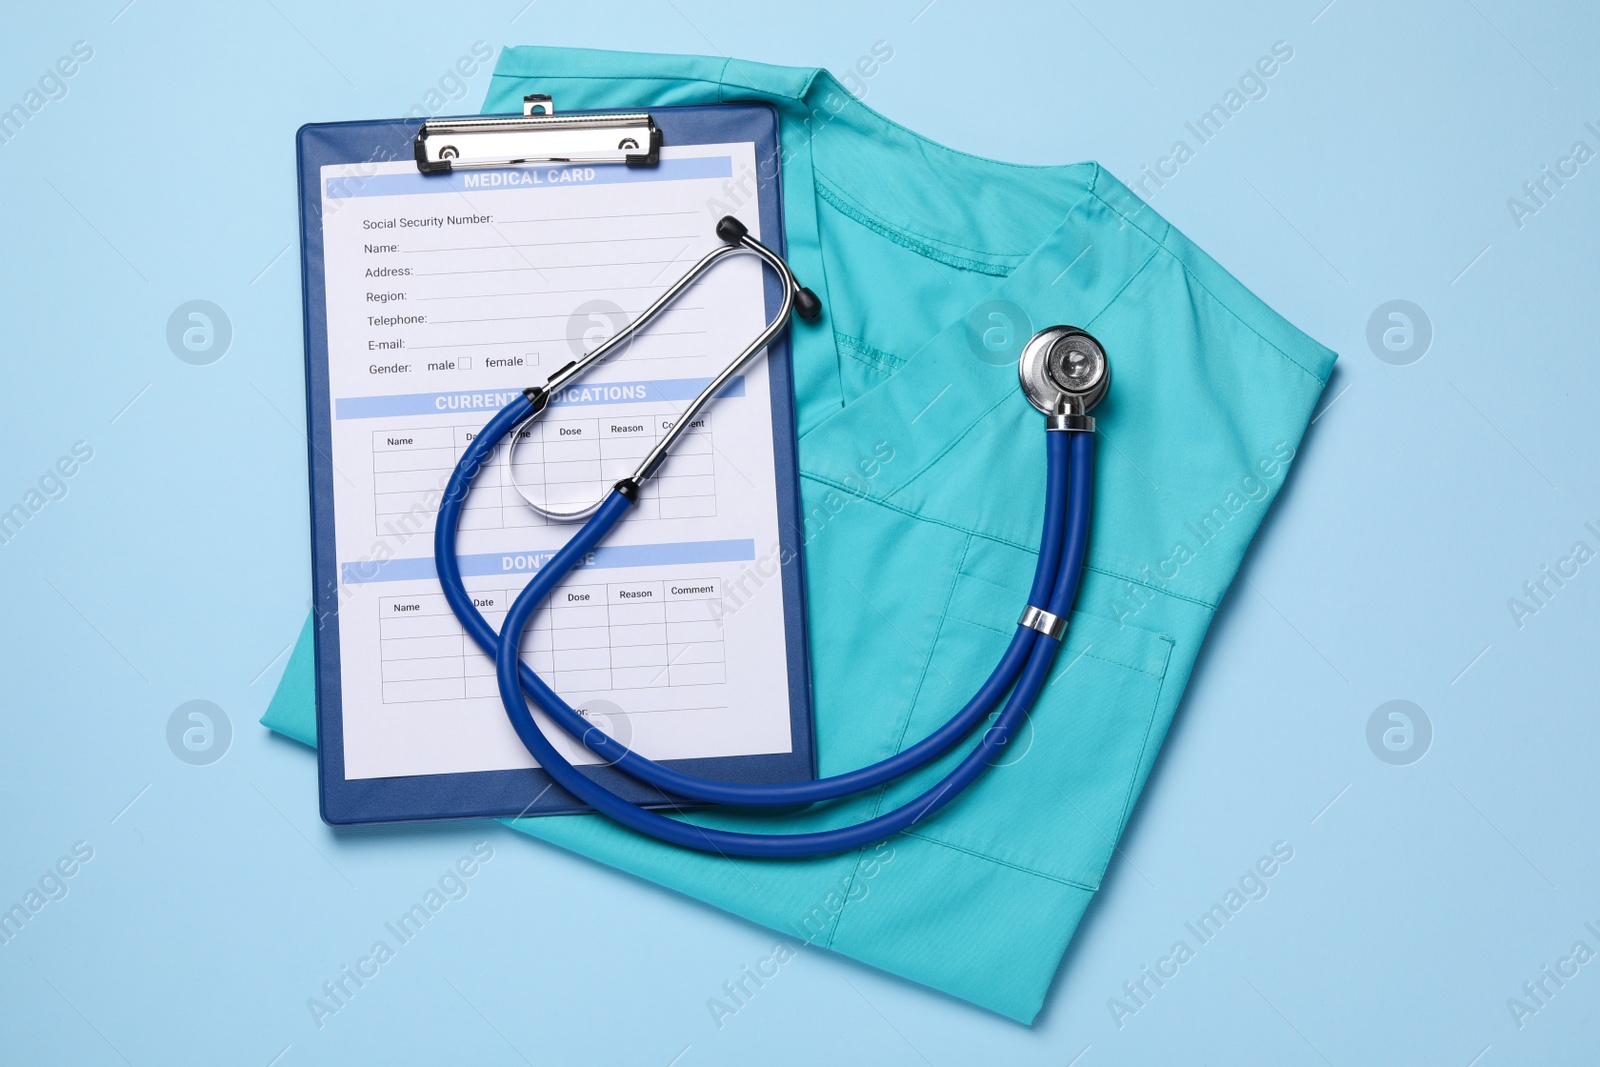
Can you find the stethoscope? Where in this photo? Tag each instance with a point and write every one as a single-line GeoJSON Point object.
{"type": "Point", "coordinates": [1064, 373]}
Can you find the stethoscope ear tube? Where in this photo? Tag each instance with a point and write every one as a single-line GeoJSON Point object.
{"type": "Point", "coordinates": [1063, 372]}
{"type": "Point", "coordinates": [1022, 671]}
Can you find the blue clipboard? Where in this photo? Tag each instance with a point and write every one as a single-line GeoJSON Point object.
{"type": "Point", "coordinates": [504, 793]}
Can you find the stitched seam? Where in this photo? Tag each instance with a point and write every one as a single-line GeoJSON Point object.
{"type": "Point", "coordinates": [855, 870]}
{"type": "Point", "coordinates": [851, 207]}
{"type": "Point", "coordinates": [838, 920]}
{"type": "Point", "coordinates": [1147, 585]}
{"type": "Point", "coordinates": [888, 359]}
{"type": "Point", "coordinates": [824, 283]}
{"type": "Point", "coordinates": [933, 462]}
{"type": "Point", "coordinates": [911, 708]}
{"type": "Point", "coordinates": [1127, 797]}
{"type": "Point", "coordinates": [1086, 654]}
{"type": "Point", "coordinates": [932, 247]}
{"type": "Point", "coordinates": [949, 447]}
{"type": "Point", "coordinates": [949, 598]}
{"type": "Point", "coordinates": [1034, 549]}
{"type": "Point", "coordinates": [1083, 654]}
{"type": "Point", "coordinates": [674, 80]}
{"type": "Point", "coordinates": [906, 231]}
{"type": "Point", "coordinates": [1133, 277]}
{"type": "Point", "coordinates": [980, 625]}
{"type": "Point", "coordinates": [758, 90]}
{"type": "Point", "coordinates": [1223, 304]}
{"type": "Point", "coordinates": [876, 368]}
{"type": "Point", "coordinates": [1093, 190]}
{"type": "Point", "coordinates": [1074, 883]}
{"type": "Point", "coordinates": [822, 480]}
{"type": "Point", "coordinates": [892, 124]}
{"type": "Point", "coordinates": [927, 251]}
{"type": "Point", "coordinates": [1127, 801]}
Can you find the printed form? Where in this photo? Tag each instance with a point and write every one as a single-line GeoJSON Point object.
{"type": "Point", "coordinates": [447, 295]}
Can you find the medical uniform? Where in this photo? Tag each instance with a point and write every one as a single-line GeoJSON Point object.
{"type": "Point", "coordinates": [922, 471]}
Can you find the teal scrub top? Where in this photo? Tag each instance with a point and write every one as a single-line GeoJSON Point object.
{"type": "Point", "coordinates": [922, 468]}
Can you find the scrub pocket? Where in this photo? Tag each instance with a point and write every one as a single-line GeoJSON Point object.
{"type": "Point", "coordinates": [1055, 800]}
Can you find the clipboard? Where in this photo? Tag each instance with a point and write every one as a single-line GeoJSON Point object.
{"type": "Point", "coordinates": [451, 149]}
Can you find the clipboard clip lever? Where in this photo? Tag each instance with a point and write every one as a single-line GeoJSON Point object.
{"type": "Point", "coordinates": [538, 135]}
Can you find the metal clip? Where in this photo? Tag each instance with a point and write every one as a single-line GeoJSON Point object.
{"type": "Point", "coordinates": [1039, 619]}
{"type": "Point", "coordinates": [538, 135]}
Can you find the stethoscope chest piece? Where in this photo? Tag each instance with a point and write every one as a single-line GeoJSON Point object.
{"type": "Point", "coordinates": [1064, 373]}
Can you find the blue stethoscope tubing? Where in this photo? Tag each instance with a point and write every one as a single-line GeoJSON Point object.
{"type": "Point", "coordinates": [1023, 670]}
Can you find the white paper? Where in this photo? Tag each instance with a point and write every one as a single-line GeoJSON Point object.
{"type": "Point", "coordinates": [445, 296]}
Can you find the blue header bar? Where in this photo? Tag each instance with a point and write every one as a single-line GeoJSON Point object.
{"type": "Point", "coordinates": [607, 556]}
{"type": "Point", "coordinates": [667, 389]}
{"type": "Point", "coordinates": [544, 176]}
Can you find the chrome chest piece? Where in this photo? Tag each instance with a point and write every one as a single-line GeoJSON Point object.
{"type": "Point", "coordinates": [1064, 373]}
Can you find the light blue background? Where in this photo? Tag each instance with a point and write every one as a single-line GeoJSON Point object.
{"type": "Point", "coordinates": [1378, 167]}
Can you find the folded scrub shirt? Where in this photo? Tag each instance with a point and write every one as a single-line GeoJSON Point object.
{"type": "Point", "coordinates": [922, 466]}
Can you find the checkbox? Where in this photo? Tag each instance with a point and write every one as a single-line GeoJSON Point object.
{"type": "Point", "coordinates": [465, 362]}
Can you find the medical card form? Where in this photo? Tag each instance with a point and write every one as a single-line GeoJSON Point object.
{"type": "Point", "coordinates": [446, 295]}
